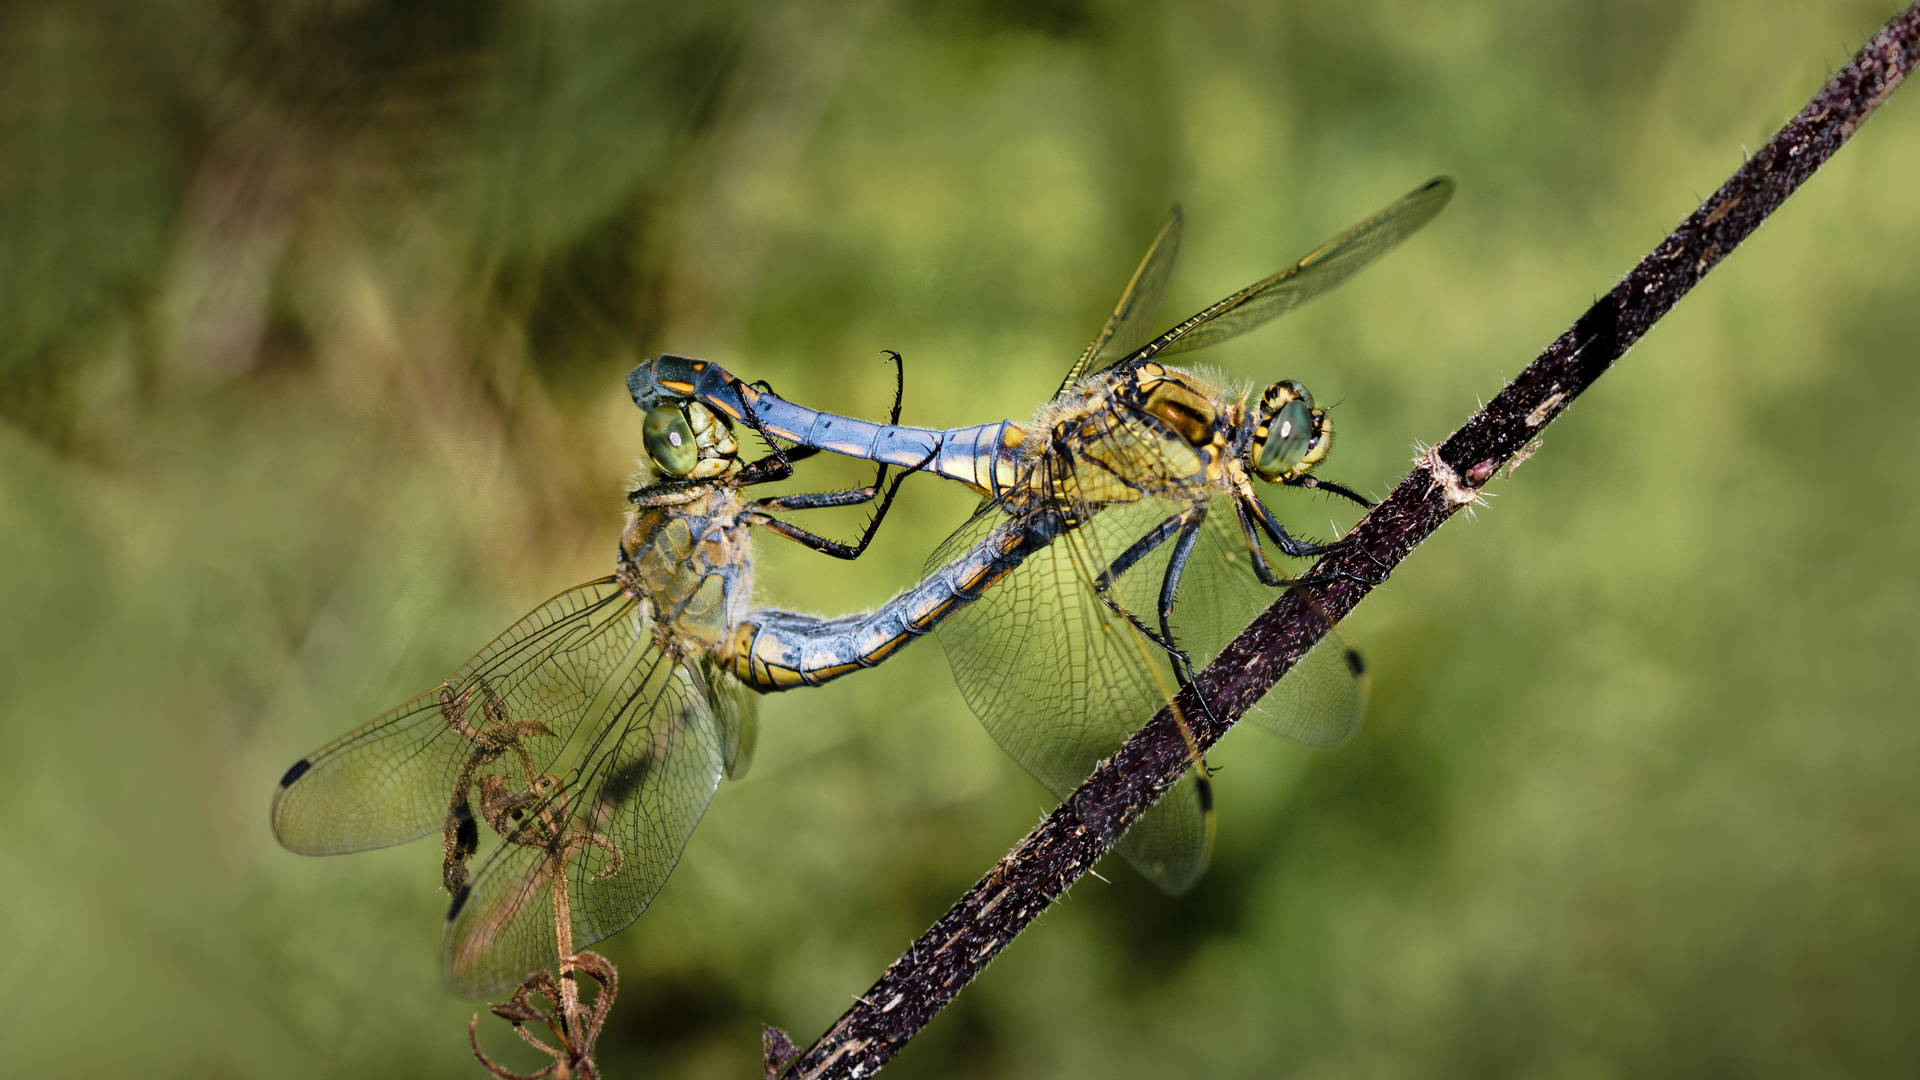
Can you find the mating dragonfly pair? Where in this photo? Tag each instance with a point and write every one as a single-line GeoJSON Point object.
{"type": "Point", "coordinates": [1120, 543]}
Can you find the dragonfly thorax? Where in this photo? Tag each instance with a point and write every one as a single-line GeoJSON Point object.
{"type": "Point", "coordinates": [1188, 410]}
{"type": "Point", "coordinates": [1290, 436]}
{"type": "Point", "coordinates": [690, 559]}
{"type": "Point", "coordinates": [1193, 409]}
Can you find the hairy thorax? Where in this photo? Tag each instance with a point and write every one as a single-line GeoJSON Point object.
{"type": "Point", "coordinates": [1123, 436]}
{"type": "Point", "coordinates": [691, 561]}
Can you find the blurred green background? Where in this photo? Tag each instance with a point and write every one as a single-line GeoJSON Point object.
{"type": "Point", "coordinates": [313, 323]}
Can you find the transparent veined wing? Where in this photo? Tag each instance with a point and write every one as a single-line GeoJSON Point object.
{"type": "Point", "coordinates": [1322, 700]}
{"type": "Point", "coordinates": [1139, 302]}
{"type": "Point", "coordinates": [603, 833]}
{"type": "Point", "coordinates": [736, 715]}
{"type": "Point", "coordinates": [1060, 679]}
{"type": "Point", "coordinates": [1322, 269]}
{"type": "Point", "coordinates": [576, 737]}
{"type": "Point", "coordinates": [390, 780]}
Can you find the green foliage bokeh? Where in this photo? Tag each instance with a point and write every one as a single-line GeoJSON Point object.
{"type": "Point", "coordinates": [313, 325]}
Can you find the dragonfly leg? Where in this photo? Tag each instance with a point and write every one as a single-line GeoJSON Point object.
{"type": "Point", "coordinates": [899, 385]}
{"type": "Point", "coordinates": [1145, 546]}
{"type": "Point", "coordinates": [778, 465]}
{"type": "Point", "coordinates": [773, 468]}
{"type": "Point", "coordinates": [1261, 570]}
{"type": "Point", "coordinates": [760, 513]}
{"type": "Point", "coordinates": [816, 500]}
{"type": "Point", "coordinates": [1345, 492]}
{"type": "Point", "coordinates": [1140, 549]}
{"type": "Point", "coordinates": [1288, 544]}
{"type": "Point", "coordinates": [1356, 665]}
{"type": "Point", "coordinates": [1279, 581]}
{"type": "Point", "coordinates": [1169, 592]}
{"type": "Point", "coordinates": [1186, 525]}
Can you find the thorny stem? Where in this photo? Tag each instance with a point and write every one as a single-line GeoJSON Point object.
{"type": "Point", "coordinates": [1447, 477]}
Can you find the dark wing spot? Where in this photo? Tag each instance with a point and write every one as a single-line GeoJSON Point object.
{"type": "Point", "coordinates": [1206, 795]}
{"type": "Point", "coordinates": [1355, 664]}
{"type": "Point", "coordinates": [466, 834]}
{"type": "Point", "coordinates": [626, 780]}
{"type": "Point", "coordinates": [299, 770]}
{"type": "Point", "coordinates": [459, 901]}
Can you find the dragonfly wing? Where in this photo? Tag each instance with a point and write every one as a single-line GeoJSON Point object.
{"type": "Point", "coordinates": [1139, 302]}
{"type": "Point", "coordinates": [613, 821]}
{"type": "Point", "coordinates": [390, 780]}
{"type": "Point", "coordinates": [736, 716]}
{"type": "Point", "coordinates": [1060, 679]}
{"type": "Point", "coordinates": [1172, 842]}
{"type": "Point", "coordinates": [1322, 700]}
{"type": "Point", "coordinates": [1324, 268]}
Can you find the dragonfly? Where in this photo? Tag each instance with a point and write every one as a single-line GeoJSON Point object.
{"type": "Point", "coordinates": [1125, 539]}
{"type": "Point", "coordinates": [591, 735]}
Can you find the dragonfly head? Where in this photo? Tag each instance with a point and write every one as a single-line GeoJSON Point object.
{"type": "Point", "coordinates": [688, 441]}
{"type": "Point", "coordinates": [1290, 436]}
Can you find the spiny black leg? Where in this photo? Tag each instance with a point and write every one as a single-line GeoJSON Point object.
{"type": "Point", "coordinates": [1268, 577]}
{"type": "Point", "coordinates": [1298, 549]}
{"type": "Point", "coordinates": [1140, 549]}
{"type": "Point", "coordinates": [814, 500]}
{"type": "Point", "coordinates": [799, 535]}
{"type": "Point", "coordinates": [1317, 484]}
{"type": "Point", "coordinates": [899, 385]}
{"type": "Point", "coordinates": [662, 491]}
{"type": "Point", "coordinates": [760, 511]}
{"type": "Point", "coordinates": [1260, 568]}
{"type": "Point", "coordinates": [1169, 591]}
{"type": "Point", "coordinates": [880, 474]}
{"type": "Point", "coordinates": [777, 465]}
{"type": "Point", "coordinates": [893, 489]}
{"type": "Point", "coordinates": [1177, 565]}
{"type": "Point", "coordinates": [1186, 524]}
{"type": "Point", "coordinates": [771, 469]}
{"type": "Point", "coordinates": [1356, 666]}
{"type": "Point", "coordinates": [757, 515]}
{"type": "Point", "coordinates": [774, 467]}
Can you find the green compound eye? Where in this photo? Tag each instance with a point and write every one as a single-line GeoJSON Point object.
{"type": "Point", "coordinates": [1289, 440]}
{"type": "Point", "coordinates": [669, 440]}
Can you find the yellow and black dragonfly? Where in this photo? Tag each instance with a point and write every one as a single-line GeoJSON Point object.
{"type": "Point", "coordinates": [1121, 541]}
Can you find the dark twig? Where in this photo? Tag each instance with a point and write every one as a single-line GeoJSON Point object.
{"type": "Point", "coordinates": [1445, 478]}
